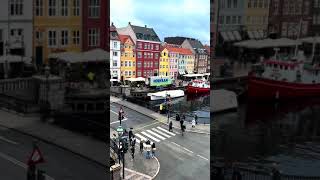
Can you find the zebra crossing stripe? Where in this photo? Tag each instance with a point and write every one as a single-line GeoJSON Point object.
{"type": "Point", "coordinates": [162, 133]}
{"type": "Point", "coordinates": [149, 136]}
{"type": "Point", "coordinates": [141, 137]}
{"type": "Point", "coordinates": [155, 134]}
{"type": "Point", "coordinates": [167, 131]}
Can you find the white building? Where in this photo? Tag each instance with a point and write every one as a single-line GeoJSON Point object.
{"type": "Point", "coordinates": [16, 27]}
{"type": "Point", "coordinates": [114, 54]}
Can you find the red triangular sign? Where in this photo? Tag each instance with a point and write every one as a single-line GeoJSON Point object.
{"type": "Point", "coordinates": [36, 157]}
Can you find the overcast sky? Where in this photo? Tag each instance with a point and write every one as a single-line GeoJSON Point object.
{"type": "Point", "coordinates": [190, 18]}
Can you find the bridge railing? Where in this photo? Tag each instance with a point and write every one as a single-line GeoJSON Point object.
{"type": "Point", "coordinates": [7, 85]}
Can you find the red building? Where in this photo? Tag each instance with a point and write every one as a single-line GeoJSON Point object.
{"type": "Point", "coordinates": [147, 49]}
{"type": "Point", "coordinates": [285, 17]}
{"type": "Point", "coordinates": [95, 25]}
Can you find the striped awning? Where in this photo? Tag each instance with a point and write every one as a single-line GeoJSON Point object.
{"type": "Point", "coordinates": [224, 36]}
{"type": "Point", "coordinates": [231, 36]}
{"type": "Point", "coordinates": [237, 35]}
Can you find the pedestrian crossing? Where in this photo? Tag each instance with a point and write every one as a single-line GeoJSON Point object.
{"type": "Point", "coordinates": [156, 134]}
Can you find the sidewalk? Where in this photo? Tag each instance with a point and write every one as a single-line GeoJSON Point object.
{"type": "Point", "coordinates": [86, 147]}
{"type": "Point", "coordinates": [200, 128]}
{"type": "Point", "coordinates": [150, 167]}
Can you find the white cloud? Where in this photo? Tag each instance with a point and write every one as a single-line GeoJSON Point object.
{"type": "Point", "coordinates": [167, 17]}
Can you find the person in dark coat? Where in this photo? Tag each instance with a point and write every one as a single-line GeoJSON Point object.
{"type": "Point", "coordinates": [177, 117]}
{"type": "Point", "coordinates": [196, 118]}
{"type": "Point", "coordinates": [132, 152]}
{"type": "Point", "coordinates": [141, 146]}
{"type": "Point", "coordinates": [153, 149]}
{"type": "Point", "coordinates": [130, 135]}
{"type": "Point", "coordinates": [170, 126]}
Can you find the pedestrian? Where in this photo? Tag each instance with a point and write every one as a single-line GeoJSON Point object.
{"type": "Point", "coordinates": [276, 174]}
{"type": "Point", "coordinates": [130, 135]}
{"type": "Point", "coordinates": [182, 127]}
{"type": "Point", "coordinates": [177, 117]}
{"type": "Point", "coordinates": [148, 149]}
{"type": "Point", "coordinates": [141, 146]}
{"type": "Point", "coordinates": [183, 117]}
{"type": "Point", "coordinates": [133, 141]}
{"type": "Point", "coordinates": [153, 147]}
{"type": "Point", "coordinates": [236, 175]}
{"type": "Point", "coordinates": [132, 152]}
{"type": "Point", "coordinates": [170, 126]}
{"type": "Point", "coordinates": [196, 118]}
{"type": "Point", "coordinates": [193, 123]}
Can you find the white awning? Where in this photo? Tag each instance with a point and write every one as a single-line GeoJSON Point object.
{"type": "Point", "coordinates": [224, 36]}
{"type": "Point", "coordinates": [136, 79]}
{"type": "Point", "coordinates": [231, 36]}
{"type": "Point", "coordinates": [14, 58]}
{"type": "Point", "coordinates": [315, 39]}
{"type": "Point", "coordinates": [237, 35]}
{"type": "Point", "coordinates": [251, 35]}
{"type": "Point", "coordinates": [182, 72]}
{"type": "Point", "coordinates": [76, 57]}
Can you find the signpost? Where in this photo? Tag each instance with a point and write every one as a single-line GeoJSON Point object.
{"type": "Point", "coordinates": [35, 158]}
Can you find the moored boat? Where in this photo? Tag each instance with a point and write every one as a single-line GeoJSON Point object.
{"type": "Point", "coordinates": [198, 87]}
{"type": "Point", "coordinates": [164, 94]}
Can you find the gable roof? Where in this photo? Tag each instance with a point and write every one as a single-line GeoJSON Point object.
{"type": "Point", "coordinates": [113, 32]}
{"type": "Point", "coordinates": [124, 38]}
{"type": "Point", "coordinates": [145, 33]}
{"type": "Point", "coordinates": [178, 40]}
{"type": "Point", "coordinates": [180, 50]}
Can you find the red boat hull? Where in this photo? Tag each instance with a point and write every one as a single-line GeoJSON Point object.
{"type": "Point", "coordinates": [261, 88]}
{"type": "Point", "coordinates": [197, 90]}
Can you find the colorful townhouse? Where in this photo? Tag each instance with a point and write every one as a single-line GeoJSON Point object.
{"type": "Point", "coordinates": [57, 28]}
{"type": "Point", "coordinates": [189, 61]}
{"type": "Point", "coordinates": [128, 57]}
{"type": "Point", "coordinates": [173, 62]}
{"type": "Point", "coordinates": [95, 19]}
{"type": "Point", "coordinates": [256, 15]}
{"type": "Point", "coordinates": [184, 59]}
{"type": "Point", "coordinates": [208, 50]}
{"type": "Point", "coordinates": [285, 17]}
{"type": "Point", "coordinates": [16, 28]}
{"type": "Point", "coordinates": [147, 49]}
{"type": "Point", "coordinates": [114, 53]}
{"type": "Point", "coordinates": [164, 62]}
{"type": "Point", "coordinates": [315, 26]}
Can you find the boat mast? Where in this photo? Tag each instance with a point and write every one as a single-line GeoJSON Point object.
{"type": "Point", "coordinates": [298, 37]}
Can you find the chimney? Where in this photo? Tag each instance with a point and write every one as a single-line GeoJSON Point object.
{"type": "Point", "coordinates": [145, 26]}
{"type": "Point", "coordinates": [129, 23]}
{"type": "Point", "coordinates": [112, 24]}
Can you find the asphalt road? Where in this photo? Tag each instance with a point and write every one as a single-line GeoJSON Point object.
{"type": "Point", "coordinates": [15, 149]}
{"type": "Point", "coordinates": [181, 157]}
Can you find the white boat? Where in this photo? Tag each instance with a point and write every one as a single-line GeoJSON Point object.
{"type": "Point", "coordinates": [163, 94]}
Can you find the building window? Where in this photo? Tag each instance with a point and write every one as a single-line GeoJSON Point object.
{"type": "Point", "coordinates": [260, 3]}
{"type": "Point", "coordinates": [52, 7]}
{"type": "Point", "coordinates": [140, 45]}
{"type": "Point", "coordinates": [286, 7]}
{"type": "Point", "coordinates": [52, 38]}
{"type": "Point", "coordinates": [125, 63]}
{"type": "Point", "coordinates": [234, 19]}
{"type": "Point", "coordinates": [145, 55]}
{"type": "Point", "coordinates": [139, 54]}
{"type": "Point", "coordinates": [299, 7]}
{"type": "Point", "coordinates": [228, 20]}
{"type": "Point", "coordinates": [275, 7]}
{"type": "Point", "coordinates": [144, 64]}
{"type": "Point", "coordinates": [284, 30]}
{"type": "Point", "coordinates": [229, 4]}
{"type": "Point", "coordinates": [64, 7]}
{"type": "Point", "coordinates": [39, 36]}
{"type": "Point", "coordinates": [39, 7]}
{"type": "Point", "coordinates": [133, 64]}
{"type": "Point", "coordinates": [156, 55]}
{"type": "Point", "coordinates": [115, 45]}
{"type": "Point", "coordinates": [145, 46]}
{"type": "Point", "coordinates": [157, 47]}
{"type": "Point", "coordinates": [94, 8]}
{"type": "Point", "coordinates": [255, 3]}
{"type": "Point", "coordinates": [115, 63]}
{"type": "Point", "coordinates": [94, 37]}
{"type": "Point", "coordinates": [16, 7]}
{"type": "Point", "coordinates": [249, 3]}
{"type": "Point", "coordinates": [64, 37]}
{"type": "Point", "coordinates": [139, 73]}
{"type": "Point", "coordinates": [76, 37]}
{"type": "Point", "coordinates": [133, 73]}
{"type": "Point", "coordinates": [306, 7]}
{"type": "Point", "coordinates": [76, 8]}
{"type": "Point", "coordinates": [139, 64]}
{"type": "Point", "coordinates": [115, 53]}
{"type": "Point", "coordinates": [266, 4]}
{"type": "Point", "coordinates": [239, 19]}
{"type": "Point", "coordinates": [235, 3]}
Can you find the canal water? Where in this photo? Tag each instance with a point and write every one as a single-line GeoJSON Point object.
{"type": "Point", "coordinates": [264, 134]}
{"type": "Point", "coordinates": [187, 105]}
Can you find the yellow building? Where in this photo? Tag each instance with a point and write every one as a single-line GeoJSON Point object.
{"type": "Point", "coordinates": [128, 58]}
{"type": "Point", "coordinates": [57, 28]}
{"type": "Point", "coordinates": [164, 63]}
{"type": "Point", "coordinates": [256, 17]}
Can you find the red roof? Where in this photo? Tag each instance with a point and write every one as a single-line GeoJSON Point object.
{"type": "Point", "coordinates": [124, 38]}
{"type": "Point", "coordinates": [179, 50]}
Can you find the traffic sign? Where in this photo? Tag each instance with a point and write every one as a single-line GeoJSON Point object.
{"type": "Point", "coordinates": [35, 157]}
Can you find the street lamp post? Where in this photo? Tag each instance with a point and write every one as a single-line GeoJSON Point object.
{"type": "Point", "coordinates": [47, 74]}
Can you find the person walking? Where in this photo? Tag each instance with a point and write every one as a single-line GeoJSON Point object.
{"type": "Point", "coordinates": [182, 126]}
{"type": "Point", "coordinates": [170, 126]}
{"type": "Point", "coordinates": [153, 148]}
{"type": "Point", "coordinates": [141, 146]}
{"type": "Point", "coordinates": [148, 149]}
{"type": "Point", "coordinates": [132, 152]}
{"type": "Point", "coordinates": [196, 118]}
{"type": "Point", "coordinates": [177, 117]}
{"type": "Point", "coordinates": [193, 123]}
{"type": "Point", "coordinates": [130, 135]}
